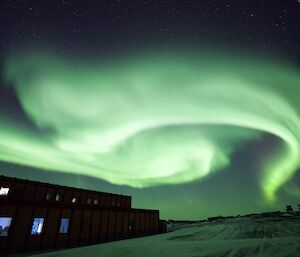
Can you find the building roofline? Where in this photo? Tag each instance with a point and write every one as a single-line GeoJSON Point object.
{"type": "Point", "coordinates": [15, 179]}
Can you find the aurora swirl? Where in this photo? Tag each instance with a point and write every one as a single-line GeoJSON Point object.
{"type": "Point", "coordinates": [153, 119]}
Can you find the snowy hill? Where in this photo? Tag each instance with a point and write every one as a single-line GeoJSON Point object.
{"type": "Point", "coordinates": [237, 238]}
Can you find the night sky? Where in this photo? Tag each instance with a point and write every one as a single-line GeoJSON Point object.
{"type": "Point", "coordinates": [191, 107]}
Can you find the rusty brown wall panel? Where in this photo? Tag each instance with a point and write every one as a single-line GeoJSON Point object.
{"type": "Point", "coordinates": [104, 226]}
{"type": "Point", "coordinates": [137, 223]}
{"type": "Point", "coordinates": [119, 201]}
{"type": "Point", "coordinates": [51, 228]}
{"type": "Point", "coordinates": [116, 201]}
{"type": "Point", "coordinates": [73, 239]}
{"type": "Point", "coordinates": [21, 228]}
{"type": "Point", "coordinates": [83, 197]}
{"type": "Point", "coordinates": [123, 202]}
{"type": "Point", "coordinates": [95, 226]}
{"type": "Point", "coordinates": [3, 245]}
{"type": "Point", "coordinates": [40, 212]}
{"type": "Point", "coordinates": [85, 227]}
{"type": "Point", "coordinates": [113, 200]}
{"type": "Point", "coordinates": [33, 242]}
{"type": "Point", "coordinates": [111, 225]}
{"type": "Point", "coordinates": [17, 191]}
{"type": "Point", "coordinates": [128, 202]}
{"type": "Point", "coordinates": [67, 196]}
{"type": "Point", "coordinates": [101, 197]}
{"type": "Point", "coordinates": [66, 213]}
{"type": "Point", "coordinates": [40, 193]}
{"type": "Point", "coordinates": [119, 225]}
{"type": "Point", "coordinates": [29, 192]}
{"type": "Point", "coordinates": [147, 221]}
{"type": "Point", "coordinates": [142, 223]}
{"type": "Point", "coordinates": [131, 227]}
{"type": "Point", "coordinates": [6, 211]}
{"type": "Point", "coordinates": [156, 222]}
{"type": "Point", "coordinates": [151, 223]}
{"type": "Point", "coordinates": [125, 224]}
{"type": "Point", "coordinates": [61, 240]}
{"type": "Point", "coordinates": [107, 200]}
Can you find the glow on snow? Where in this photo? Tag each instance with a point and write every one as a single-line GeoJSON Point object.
{"type": "Point", "coordinates": [152, 119]}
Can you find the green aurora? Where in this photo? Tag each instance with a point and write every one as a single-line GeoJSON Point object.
{"type": "Point", "coordinates": [153, 119]}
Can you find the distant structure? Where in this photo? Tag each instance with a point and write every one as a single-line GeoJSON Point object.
{"type": "Point", "coordinates": [163, 226]}
{"type": "Point", "coordinates": [289, 209]}
{"type": "Point", "coordinates": [37, 216]}
{"type": "Point", "coordinates": [216, 219]}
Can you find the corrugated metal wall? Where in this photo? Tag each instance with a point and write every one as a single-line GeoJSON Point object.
{"type": "Point", "coordinates": [108, 218]}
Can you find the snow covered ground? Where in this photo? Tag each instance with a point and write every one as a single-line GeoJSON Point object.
{"type": "Point", "coordinates": [238, 238]}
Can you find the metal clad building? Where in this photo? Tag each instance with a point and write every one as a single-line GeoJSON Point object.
{"type": "Point", "coordinates": [36, 216]}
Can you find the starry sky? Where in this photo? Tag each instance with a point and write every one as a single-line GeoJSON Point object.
{"type": "Point", "coordinates": [191, 107]}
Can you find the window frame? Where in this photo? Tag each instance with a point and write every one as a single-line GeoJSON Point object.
{"type": "Point", "coordinates": [4, 191]}
{"type": "Point", "coordinates": [58, 197]}
{"type": "Point", "coordinates": [60, 225]}
{"type": "Point", "coordinates": [42, 228]}
{"type": "Point", "coordinates": [48, 196]}
{"type": "Point", "coordinates": [10, 222]}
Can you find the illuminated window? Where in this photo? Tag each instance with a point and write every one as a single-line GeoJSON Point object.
{"type": "Point", "coordinates": [89, 201]}
{"type": "Point", "coordinates": [96, 201]}
{"type": "Point", "coordinates": [4, 191]}
{"type": "Point", "coordinates": [57, 197]}
{"type": "Point", "coordinates": [48, 196]}
{"type": "Point", "coordinates": [74, 200]}
{"type": "Point", "coordinates": [4, 225]}
{"type": "Point", "coordinates": [64, 225]}
{"type": "Point", "coordinates": [37, 226]}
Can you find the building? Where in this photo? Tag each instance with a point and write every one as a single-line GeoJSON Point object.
{"type": "Point", "coordinates": [289, 209]}
{"type": "Point", "coordinates": [36, 216]}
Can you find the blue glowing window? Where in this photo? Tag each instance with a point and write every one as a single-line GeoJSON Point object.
{"type": "Point", "coordinates": [37, 226]}
{"type": "Point", "coordinates": [64, 225]}
{"type": "Point", "coordinates": [4, 225]}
